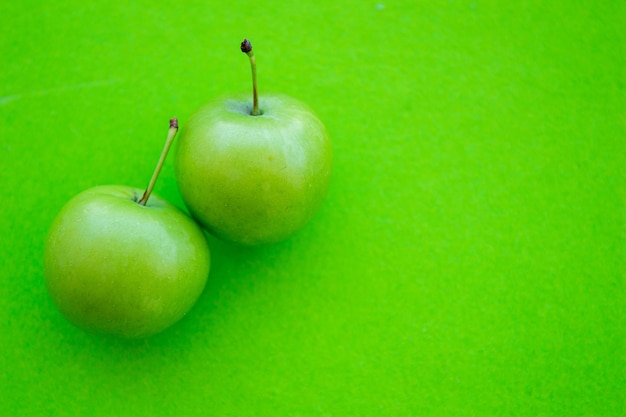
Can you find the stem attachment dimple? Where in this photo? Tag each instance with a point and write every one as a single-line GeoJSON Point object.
{"type": "Point", "coordinates": [168, 143]}
{"type": "Point", "coordinates": [246, 48]}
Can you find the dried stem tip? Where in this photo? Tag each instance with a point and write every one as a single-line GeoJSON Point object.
{"type": "Point", "coordinates": [174, 123]}
{"type": "Point", "coordinates": [246, 46]}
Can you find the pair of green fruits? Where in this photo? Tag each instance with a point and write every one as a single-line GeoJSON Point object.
{"type": "Point", "coordinates": [123, 261]}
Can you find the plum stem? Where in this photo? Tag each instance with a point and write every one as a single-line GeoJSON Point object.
{"type": "Point", "coordinates": [168, 143]}
{"type": "Point", "coordinates": [246, 47]}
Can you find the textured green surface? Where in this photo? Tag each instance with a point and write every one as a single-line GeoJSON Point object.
{"type": "Point", "coordinates": [469, 259]}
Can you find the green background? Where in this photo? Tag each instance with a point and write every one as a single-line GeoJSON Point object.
{"type": "Point", "coordinates": [469, 259]}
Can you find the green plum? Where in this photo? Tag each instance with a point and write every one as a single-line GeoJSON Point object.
{"type": "Point", "coordinates": [120, 263]}
{"type": "Point", "coordinates": [251, 173]}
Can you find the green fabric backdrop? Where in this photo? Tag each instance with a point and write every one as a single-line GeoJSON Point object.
{"type": "Point", "coordinates": [469, 259]}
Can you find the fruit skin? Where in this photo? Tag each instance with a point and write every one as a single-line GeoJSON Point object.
{"type": "Point", "coordinates": [253, 179]}
{"type": "Point", "coordinates": [114, 266]}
